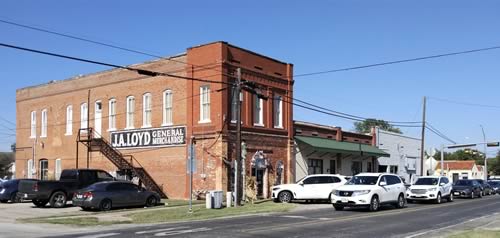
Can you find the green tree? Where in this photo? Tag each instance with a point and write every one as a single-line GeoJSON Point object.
{"type": "Point", "coordinates": [366, 126]}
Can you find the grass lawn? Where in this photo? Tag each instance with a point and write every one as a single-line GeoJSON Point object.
{"type": "Point", "coordinates": [181, 213]}
{"type": "Point", "coordinates": [477, 234]}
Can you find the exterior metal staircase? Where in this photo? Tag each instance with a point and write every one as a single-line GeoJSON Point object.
{"type": "Point", "coordinates": [125, 163]}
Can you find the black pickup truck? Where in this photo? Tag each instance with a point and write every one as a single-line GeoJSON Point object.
{"type": "Point", "coordinates": [57, 193]}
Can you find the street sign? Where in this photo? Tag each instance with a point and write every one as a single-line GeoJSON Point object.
{"type": "Point", "coordinates": [191, 161]}
{"type": "Point", "coordinates": [431, 152]}
{"type": "Point", "coordinates": [493, 144]}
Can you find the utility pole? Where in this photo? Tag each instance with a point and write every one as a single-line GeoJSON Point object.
{"type": "Point", "coordinates": [422, 152]}
{"type": "Point", "coordinates": [485, 155]}
{"type": "Point", "coordinates": [238, 167]}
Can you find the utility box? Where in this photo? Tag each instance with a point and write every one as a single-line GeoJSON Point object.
{"type": "Point", "coordinates": [214, 199]}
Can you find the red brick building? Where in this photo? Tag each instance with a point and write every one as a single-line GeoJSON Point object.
{"type": "Point", "coordinates": [153, 118]}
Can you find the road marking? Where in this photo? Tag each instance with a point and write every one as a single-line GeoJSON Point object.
{"type": "Point", "coordinates": [99, 235]}
{"type": "Point", "coordinates": [399, 211]}
{"type": "Point", "coordinates": [296, 217]}
{"type": "Point", "coordinates": [172, 233]}
{"type": "Point", "coordinates": [160, 230]}
{"type": "Point", "coordinates": [446, 227]}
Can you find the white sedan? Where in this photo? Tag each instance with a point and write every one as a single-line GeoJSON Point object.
{"type": "Point", "coordinates": [311, 187]}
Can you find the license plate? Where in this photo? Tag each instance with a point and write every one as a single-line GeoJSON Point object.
{"type": "Point", "coordinates": [457, 193]}
{"type": "Point", "coordinates": [344, 200]}
{"type": "Point", "coordinates": [79, 196]}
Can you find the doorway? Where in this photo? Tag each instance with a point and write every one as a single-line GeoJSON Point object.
{"type": "Point", "coordinates": [97, 119]}
{"type": "Point", "coordinates": [44, 169]}
{"type": "Point", "coordinates": [259, 178]}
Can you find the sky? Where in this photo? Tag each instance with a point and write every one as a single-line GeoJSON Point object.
{"type": "Point", "coordinates": [312, 35]}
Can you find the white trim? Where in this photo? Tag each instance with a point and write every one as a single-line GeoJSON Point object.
{"type": "Point", "coordinates": [43, 128]}
{"type": "Point", "coordinates": [204, 90]}
{"type": "Point", "coordinates": [167, 124]}
{"type": "Point", "coordinates": [69, 120]}
{"type": "Point", "coordinates": [33, 124]}
{"type": "Point", "coordinates": [147, 110]}
{"type": "Point", "coordinates": [130, 112]}
{"type": "Point", "coordinates": [170, 107]}
{"type": "Point", "coordinates": [111, 117]}
{"type": "Point", "coordinates": [84, 121]}
{"type": "Point", "coordinates": [258, 105]}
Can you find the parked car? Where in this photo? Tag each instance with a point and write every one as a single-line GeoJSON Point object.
{"type": "Point", "coordinates": [495, 186]}
{"type": "Point", "coordinates": [8, 190]}
{"type": "Point", "coordinates": [311, 187]}
{"type": "Point", "coordinates": [370, 190]}
{"type": "Point", "coordinates": [430, 188]}
{"type": "Point", "coordinates": [467, 188]}
{"type": "Point", "coordinates": [57, 193]}
{"type": "Point", "coordinates": [485, 187]}
{"type": "Point", "coordinates": [107, 195]}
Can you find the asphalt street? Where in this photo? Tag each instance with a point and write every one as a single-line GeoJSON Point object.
{"type": "Point", "coordinates": [413, 221]}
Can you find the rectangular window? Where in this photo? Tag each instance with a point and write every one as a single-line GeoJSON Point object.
{"type": "Point", "coordinates": [31, 170]}
{"type": "Point", "coordinates": [84, 116]}
{"type": "Point", "coordinates": [146, 110]}
{"type": "Point", "coordinates": [58, 169]}
{"type": "Point", "coordinates": [112, 114]}
{"type": "Point", "coordinates": [44, 123]}
{"type": "Point", "coordinates": [278, 112]}
{"type": "Point", "coordinates": [130, 112]}
{"type": "Point", "coordinates": [315, 166]}
{"type": "Point", "coordinates": [204, 104]}
{"type": "Point", "coordinates": [258, 115]}
{"type": "Point", "coordinates": [44, 169]}
{"type": "Point", "coordinates": [167, 108]}
{"type": "Point", "coordinates": [33, 124]}
{"type": "Point", "coordinates": [69, 120]}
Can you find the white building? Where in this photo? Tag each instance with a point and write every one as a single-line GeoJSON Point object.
{"type": "Point", "coordinates": [460, 169]}
{"type": "Point", "coordinates": [404, 151]}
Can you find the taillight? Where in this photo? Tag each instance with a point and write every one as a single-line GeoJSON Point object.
{"type": "Point", "coordinates": [87, 195]}
{"type": "Point", "coordinates": [35, 187]}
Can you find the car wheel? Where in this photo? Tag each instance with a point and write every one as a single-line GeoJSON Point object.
{"type": "Point", "coordinates": [472, 195]}
{"type": "Point", "coordinates": [450, 198]}
{"type": "Point", "coordinates": [4, 201]}
{"type": "Point", "coordinates": [14, 198]}
{"type": "Point", "coordinates": [105, 205]}
{"type": "Point", "coordinates": [438, 199]}
{"type": "Point", "coordinates": [374, 204]}
{"type": "Point", "coordinates": [480, 194]}
{"type": "Point", "coordinates": [401, 201]}
{"type": "Point", "coordinates": [338, 208]}
{"type": "Point", "coordinates": [58, 200]}
{"type": "Point", "coordinates": [285, 197]}
{"type": "Point", "coordinates": [151, 201]}
{"type": "Point", "coordinates": [40, 203]}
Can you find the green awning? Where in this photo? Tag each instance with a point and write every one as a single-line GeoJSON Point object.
{"type": "Point", "coordinates": [329, 145]}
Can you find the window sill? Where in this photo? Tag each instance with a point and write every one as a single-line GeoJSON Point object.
{"type": "Point", "coordinates": [204, 122]}
{"type": "Point", "coordinates": [68, 134]}
{"type": "Point", "coordinates": [129, 128]}
{"type": "Point", "coordinates": [43, 136]}
{"type": "Point", "coordinates": [111, 129]}
{"type": "Point", "coordinates": [167, 124]}
{"type": "Point", "coordinates": [259, 125]}
{"type": "Point", "coordinates": [32, 137]}
{"type": "Point", "coordinates": [148, 126]}
{"type": "Point", "coordinates": [278, 127]}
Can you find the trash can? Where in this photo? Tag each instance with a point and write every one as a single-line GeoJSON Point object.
{"type": "Point", "coordinates": [214, 199]}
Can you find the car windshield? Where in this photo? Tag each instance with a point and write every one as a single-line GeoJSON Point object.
{"type": "Point", "coordinates": [427, 181]}
{"type": "Point", "coordinates": [463, 183]}
{"type": "Point", "coordinates": [363, 180]}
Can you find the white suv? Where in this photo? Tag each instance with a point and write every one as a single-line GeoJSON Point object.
{"type": "Point", "coordinates": [311, 187]}
{"type": "Point", "coordinates": [433, 188]}
{"type": "Point", "coordinates": [370, 190]}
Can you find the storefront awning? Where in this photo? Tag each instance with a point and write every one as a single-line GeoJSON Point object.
{"type": "Point", "coordinates": [329, 145]}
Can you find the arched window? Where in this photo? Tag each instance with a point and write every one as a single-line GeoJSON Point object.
{"type": "Point", "coordinates": [84, 116]}
{"type": "Point", "coordinates": [130, 112]}
{"type": "Point", "coordinates": [146, 110]}
{"type": "Point", "coordinates": [167, 108]}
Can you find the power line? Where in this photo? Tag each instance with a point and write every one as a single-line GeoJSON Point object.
{"type": "Point", "coordinates": [464, 103]}
{"type": "Point", "coordinates": [139, 71]}
{"type": "Point", "coordinates": [5, 120]}
{"type": "Point", "coordinates": [99, 43]}
{"type": "Point", "coordinates": [348, 116]}
{"type": "Point", "coordinates": [438, 133]}
{"type": "Point", "coordinates": [398, 61]}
